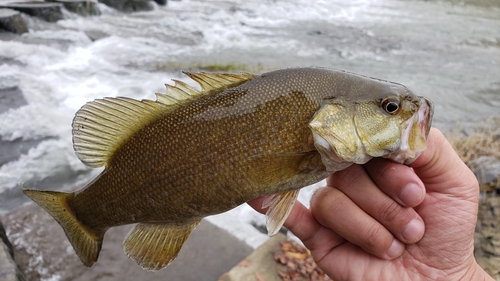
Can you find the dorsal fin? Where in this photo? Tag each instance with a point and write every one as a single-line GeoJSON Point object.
{"type": "Point", "coordinates": [216, 81]}
{"type": "Point", "coordinates": [103, 125]}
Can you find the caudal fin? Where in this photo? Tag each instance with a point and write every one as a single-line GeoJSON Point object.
{"type": "Point", "coordinates": [86, 242]}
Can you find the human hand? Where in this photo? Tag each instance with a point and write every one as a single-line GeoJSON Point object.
{"type": "Point", "coordinates": [387, 221]}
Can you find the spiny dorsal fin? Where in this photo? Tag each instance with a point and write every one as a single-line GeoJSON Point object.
{"type": "Point", "coordinates": [216, 81]}
{"type": "Point", "coordinates": [101, 126]}
{"type": "Point", "coordinates": [153, 246]}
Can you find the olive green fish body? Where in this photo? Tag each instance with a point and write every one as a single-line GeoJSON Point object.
{"type": "Point", "coordinates": [202, 161]}
{"type": "Point", "coordinates": [189, 154]}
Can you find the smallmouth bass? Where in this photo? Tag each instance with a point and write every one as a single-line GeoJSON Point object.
{"type": "Point", "coordinates": [189, 154]}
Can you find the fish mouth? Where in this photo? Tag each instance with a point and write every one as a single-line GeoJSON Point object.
{"type": "Point", "coordinates": [424, 114]}
{"type": "Point", "coordinates": [414, 134]}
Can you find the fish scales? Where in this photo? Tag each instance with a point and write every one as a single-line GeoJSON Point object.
{"type": "Point", "coordinates": [206, 150]}
{"type": "Point", "coordinates": [190, 154]}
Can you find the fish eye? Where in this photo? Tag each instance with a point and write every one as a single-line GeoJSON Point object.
{"type": "Point", "coordinates": [390, 105]}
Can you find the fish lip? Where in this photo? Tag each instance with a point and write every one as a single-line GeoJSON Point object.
{"type": "Point", "coordinates": [424, 118]}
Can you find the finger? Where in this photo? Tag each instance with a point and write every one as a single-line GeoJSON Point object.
{"type": "Point", "coordinates": [397, 181]}
{"type": "Point", "coordinates": [318, 239]}
{"type": "Point", "coordinates": [335, 210]}
{"type": "Point", "coordinates": [401, 221]}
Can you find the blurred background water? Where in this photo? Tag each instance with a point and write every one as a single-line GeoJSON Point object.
{"type": "Point", "coordinates": [445, 50]}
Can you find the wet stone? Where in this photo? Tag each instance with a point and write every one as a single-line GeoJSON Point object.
{"type": "Point", "coordinates": [161, 2]}
{"type": "Point", "coordinates": [95, 35]}
{"type": "Point", "coordinates": [11, 20]}
{"type": "Point", "coordinates": [129, 6]}
{"type": "Point", "coordinates": [82, 7]}
{"type": "Point", "coordinates": [50, 12]}
{"type": "Point", "coordinates": [8, 268]}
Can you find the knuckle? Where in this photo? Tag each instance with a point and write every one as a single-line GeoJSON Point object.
{"type": "Point", "coordinates": [345, 178]}
{"type": "Point", "coordinates": [390, 211]}
{"type": "Point", "coordinates": [326, 204]}
{"type": "Point", "coordinates": [372, 236]}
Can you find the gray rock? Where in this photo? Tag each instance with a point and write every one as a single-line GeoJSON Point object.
{"type": "Point", "coordinates": [9, 271]}
{"type": "Point", "coordinates": [487, 237]}
{"type": "Point", "coordinates": [129, 6]}
{"type": "Point", "coordinates": [487, 171]}
{"type": "Point", "coordinates": [82, 7]}
{"type": "Point", "coordinates": [95, 34]}
{"type": "Point", "coordinates": [12, 21]}
{"type": "Point", "coordinates": [50, 12]}
{"type": "Point", "coordinates": [161, 2]}
{"type": "Point", "coordinates": [259, 263]}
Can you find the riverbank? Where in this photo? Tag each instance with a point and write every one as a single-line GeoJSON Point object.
{"type": "Point", "coordinates": [479, 148]}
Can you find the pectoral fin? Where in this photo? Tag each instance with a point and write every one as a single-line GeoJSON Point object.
{"type": "Point", "coordinates": [280, 206]}
{"type": "Point", "coordinates": [153, 246]}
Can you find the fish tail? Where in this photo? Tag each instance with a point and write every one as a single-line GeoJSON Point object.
{"type": "Point", "coordinates": [86, 242]}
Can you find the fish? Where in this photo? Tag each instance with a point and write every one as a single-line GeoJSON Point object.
{"type": "Point", "coordinates": [192, 153]}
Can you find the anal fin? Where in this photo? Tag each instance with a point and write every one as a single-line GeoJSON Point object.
{"type": "Point", "coordinates": [280, 205]}
{"type": "Point", "coordinates": [154, 245]}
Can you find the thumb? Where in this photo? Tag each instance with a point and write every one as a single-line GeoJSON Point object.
{"type": "Point", "coordinates": [441, 169]}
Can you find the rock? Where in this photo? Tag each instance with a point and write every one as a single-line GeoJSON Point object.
{"type": "Point", "coordinates": [161, 2]}
{"type": "Point", "coordinates": [95, 34]}
{"type": "Point", "coordinates": [487, 171]}
{"type": "Point", "coordinates": [487, 237]}
{"type": "Point", "coordinates": [44, 253]}
{"type": "Point", "coordinates": [82, 7]}
{"type": "Point", "coordinates": [50, 12]}
{"type": "Point", "coordinates": [8, 268]}
{"type": "Point", "coordinates": [12, 21]}
{"type": "Point", "coordinates": [129, 6]}
{"type": "Point", "coordinates": [259, 265]}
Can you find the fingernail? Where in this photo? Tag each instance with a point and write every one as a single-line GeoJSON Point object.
{"type": "Point", "coordinates": [397, 248]}
{"type": "Point", "coordinates": [411, 194]}
{"type": "Point", "coordinates": [413, 231]}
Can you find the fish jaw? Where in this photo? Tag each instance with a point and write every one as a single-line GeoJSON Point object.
{"type": "Point", "coordinates": [414, 134]}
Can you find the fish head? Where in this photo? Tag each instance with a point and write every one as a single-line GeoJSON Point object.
{"type": "Point", "coordinates": [387, 120]}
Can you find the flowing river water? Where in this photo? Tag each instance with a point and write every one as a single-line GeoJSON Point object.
{"type": "Point", "coordinates": [445, 50]}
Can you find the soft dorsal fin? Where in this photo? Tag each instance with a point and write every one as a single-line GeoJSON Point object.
{"type": "Point", "coordinates": [101, 126]}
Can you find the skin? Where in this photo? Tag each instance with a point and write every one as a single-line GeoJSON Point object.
{"type": "Point", "coordinates": [387, 221]}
